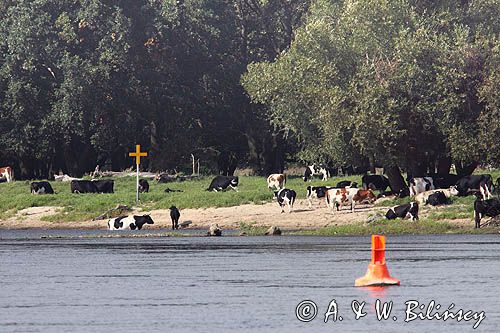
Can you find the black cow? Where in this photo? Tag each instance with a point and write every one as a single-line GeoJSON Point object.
{"type": "Point", "coordinates": [104, 186]}
{"type": "Point", "coordinates": [221, 183]}
{"type": "Point", "coordinates": [143, 186]}
{"type": "Point", "coordinates": [129, 222]}
{"type": "Point", "coordinates": [375, 182]}
{"type": "Point", "coordinates": [92, 186]}
{"type": "Point", "coordinates": [475, 183]}
{"type": "Point", "coordinates": [437, 198]}
{"type": "Point", "coordinates": [490, 207]}
{"type": "Point", "coordinates": [174, 215]}
{"type": "Point", "coordinates": [345, 183]}
{"type": "Point", "coordinates": [83, 186]}
{"type": "Point", "coordinates": [497, 186]}
{"type": "Point", "coordinates": [41, 188]}
{"type": "Point", "coordinates": [285, 197]}
{"type": "Point", "coordinates": [445, 181]}
{"type": "Point", "coordinates": [409, 210]}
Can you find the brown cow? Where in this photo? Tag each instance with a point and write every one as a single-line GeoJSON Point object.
{"type": "Point", "coordinates": [276, 180]}
{"type": "Point", "coordinates": [7, 173]}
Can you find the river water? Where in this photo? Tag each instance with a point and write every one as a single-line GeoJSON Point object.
{"type": "Point", "coordinates": [77, 283]}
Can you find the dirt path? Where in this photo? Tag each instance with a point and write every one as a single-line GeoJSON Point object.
{"type": "Point", "coordinates": [227, 217]}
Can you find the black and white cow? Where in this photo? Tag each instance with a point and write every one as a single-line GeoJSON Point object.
{"type": "Point", "coordinates": [174, 215]}
{"type": "Point", "coordinates": [409, 210]}
{"type": "Point", "coordinates": [143, 186]}
{"type": "Point", "coordinates": [221, 183]}
{"type": "Point", "coordinates": [437, 198]}
{"type": "Point", "coordinates": [41, 188]}
{"type": "Point", "coordinates": [285, 197]}
{"type": "Point", "coordinates": [346, 183]}
{"type": "Point", "coordinates": [317, 192]}
{"type": "Point", "coordinates": [420, 184]}
{"type": "Point", "coordinates": [375, 182]}
{"type": "Point", "coordinates": [475, 183]}
{"type": "Point", "coordinates": [132, 222]}
{"type": "Point", "coordinates": [315, 170]}
{"type": "Point", "coordinates": [489, 207]}
{"type": "Point", "coordinates": [445, 181]}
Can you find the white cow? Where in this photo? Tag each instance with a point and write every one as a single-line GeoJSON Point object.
{"type": "Point", "coordinates": [422, 198]}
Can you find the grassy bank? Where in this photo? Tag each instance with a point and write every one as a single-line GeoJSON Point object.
{"type": "Point", "coordinates": [77, 207]}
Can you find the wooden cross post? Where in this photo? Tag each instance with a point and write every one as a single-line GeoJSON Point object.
{"type": "Point", "coordinates": [138, 154]}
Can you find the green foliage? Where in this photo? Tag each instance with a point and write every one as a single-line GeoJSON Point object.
{"type": "Point", "coordinates": [388, 80]}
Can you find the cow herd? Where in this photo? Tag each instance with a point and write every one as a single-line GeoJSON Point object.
{"type": "Point", "coordinates": [429, 190]}
{"type": "Point", "coordinates": [433, 190]}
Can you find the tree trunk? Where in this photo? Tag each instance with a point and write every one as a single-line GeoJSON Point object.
{"type": "Point", "coordinates": [444, 165]}
{"type": "Point", "coordinates": [396, 181]}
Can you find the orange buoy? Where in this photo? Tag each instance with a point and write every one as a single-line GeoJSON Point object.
{"type": "Point", "coordinates": [377, 273]}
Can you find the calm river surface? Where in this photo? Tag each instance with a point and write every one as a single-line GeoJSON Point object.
{"type": "Point", "coordinates": [237, 284]}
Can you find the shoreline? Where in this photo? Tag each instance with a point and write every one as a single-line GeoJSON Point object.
{"type": "Point", "coordinates": [255, 219]}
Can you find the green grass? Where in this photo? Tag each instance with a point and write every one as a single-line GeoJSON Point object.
{"type": "Point", "coordinates": [394, 227]}
{"type": "Point", "coordinates": [77, 207]}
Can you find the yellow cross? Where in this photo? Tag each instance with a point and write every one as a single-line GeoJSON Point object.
{"type": "Point", "coordinates": [138, 154]}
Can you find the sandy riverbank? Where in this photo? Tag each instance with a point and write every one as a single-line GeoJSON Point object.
{"type": "Point", "coordinates": [227, 217]}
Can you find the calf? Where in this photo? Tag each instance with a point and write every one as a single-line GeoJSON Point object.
{"type": "Point", "coordinates": [421, 184]}
{"type": "Point", "coordinates": [375, 182]}
{"type": "Point", "coordinates": [174, 215]}
{"type": "Point", "coordinates": [315, 170]}
{"type": "Point", "coordinates": [285, 197]}
{"type": "Point", "coordinates": [346, 183]}
{"type": "Point", "coordinates": [221, 183]}
{"type": "Point", "coordinates": [41, 188]}
{"type": "Point", "coordinates": [475, 183]}
{"type": "Point", "coordinates": [409, 210]}
{"type": "Point", "coordinates": [276, 180]}
{"type": "Point", "coordinates": [489, 207]}
{"type": "Point", "coordinates": [7, 173]}
{"type": "Point", "coordinates": [129, 222]}
{"type": "Point", "coordinates": [437, 198]}
{"type": "Point", "coordinates": [364, 196]}
{"type": "Point", "coordinates": [143, 186]}
{"type": "Point", "coordinates": [422, 198]}
{"type": "Point", "coordinates": [316, 192]}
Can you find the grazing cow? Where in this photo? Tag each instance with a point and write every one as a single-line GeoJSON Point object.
{"type": "Point", "coordinates": [420, 184]}
{"type": "Point", "coordinates": [315, 170]}
{"type": "Point", "coordinates": [285, 197]}
{"type": "Point", "coordinates": [316, 192]}
{"type": "Point", "coordinates": [437, 198]}
{"type": "Point", "coordinates": [475, 183]}
{"type": "Point", "coordinates": [445, 181]}
{"type": "Point", "coordinates": [129, 222]}
{"type": "Point", "coordinates": [143, 186]}
{"type": "Point", "coordinates": [7, 173]}
{"type": "Point", "coordinates": [41, 188]}
{"type": "Point", "coordinates": [489, 207]}
{"type": "Point", "coordinates": [175, 215]}
{"type": "Point", "coordinates": [221, 183]}
{"type": "Point", "coordinates": [422, 198]}
{"type": "Point", "coordinates": [276, 180]}
{"type": "Point", "coordinates": [375, 182]}
{"type": "Point", "coordinates": [409, 210]}
{"type": "Point", "coordinates": [346, 183]}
